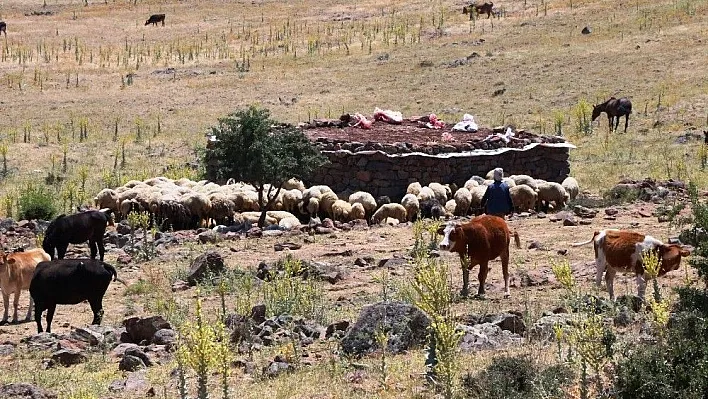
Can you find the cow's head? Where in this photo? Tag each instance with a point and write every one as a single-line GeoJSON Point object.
{"type": "Point", "coordinates": [451, 233]}
{"type": "Point", "coordinates": [671, 255]}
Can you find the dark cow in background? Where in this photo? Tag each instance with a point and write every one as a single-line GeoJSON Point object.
{"type": "Point", "coordinates": [76, 229]}
{"type": "Point", "coordinates": [155, 18]}
{"type": "Point", "coordinates": [3, 27]}
{"type": "Point", "coordinates": [68, 282]}
{"type": "Point", "coordinates": [480, 9]}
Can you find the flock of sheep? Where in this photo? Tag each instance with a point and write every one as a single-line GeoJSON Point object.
{"type": "Point", "coordinates": [186, 204]}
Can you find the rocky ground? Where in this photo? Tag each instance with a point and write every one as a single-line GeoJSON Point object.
{"type": "Point", "coordinates": [348, 262]}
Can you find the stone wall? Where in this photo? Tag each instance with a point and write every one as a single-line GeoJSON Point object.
{"type": "Point", "coordinates": [383, 174]}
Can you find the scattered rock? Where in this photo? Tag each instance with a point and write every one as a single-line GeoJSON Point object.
{"type": "Point", "coordinates": [254, 232]}
{"type": "Point", "coordinates": [164, 336]}
{"type": "Point", "coordinates": [258, 313]}
{"type": "Point", "coordinates": [24, 391]}
{"type": "Point", "coordinates": [137, 352]}
{"type": "Point", "coordinates": [361, 262]}
{"type": "Point", "coordinates": [143, 329]}
{"type": "Point", "coordinates": [623, 318]}
{"type": "Point", "coordinates": [208, 237]}
{"type": "Point", "coordinates": [610, 218]}
{"type": "Point", "coordinates": [130, 363]}
{"type": "Point", "coordinates": [209, 263]}
{"type": "Point", "coordinates": [643, 213]}
{"type": "Point", "coordinates": [337, 329]}
{"type": "Point", "coordinates": [122, 229]}
{"type": "Point", "coordinates": [124, 258]}
{"type": "Point", "coordinates": [510, 322]}
{"type": "Point", "coordinates": [536, 245]}
{"type": "Point", "coordinates": [486, 336]}
{"type": "Point", "coordinates": [562, 252]}
{"type": "Point", "coordinates": [93, 338]}
{"type": "Point", "coordinates": [586, 30]}
{"type": "Point", "coordinates": [392, 263]}
{"type": "Point", "coordinates": [67, 357]}
{"type": "Point", "coordinates": [286, 245]}
{"type": "Point", "coordinates": [42, 340]}
{"type": "Point", "coordinates": [611, 211]}
{"type": "Point", "coordinates": [585, 222]}
{"type": "Point", "coordinates": [405, 325]}
{"type": "Point", "coordinates": [180, 285]}
{"type": "Point", "coordinates": [543, 328]}
{"type": "Point", "coordinates": [584, 212]}
{"type": "Point", "coordinates": [569, 221]}
{"type": "Point", "coordinates": [119, 350]}
{"type": "Point", "coordinates": [7, 349]}
{"type": "Point", "coordinates": [277, 367]}
{"type": "Point", "coordinates": [136, 381]}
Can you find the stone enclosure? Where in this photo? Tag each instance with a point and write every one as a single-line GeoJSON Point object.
{"type": "Point", "coordinates": [384, 167]}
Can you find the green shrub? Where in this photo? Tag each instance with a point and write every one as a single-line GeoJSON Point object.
{"type": "Point", "coordinates": [512, 377]}
{"type": "Point", "coordinates": [36, 202]}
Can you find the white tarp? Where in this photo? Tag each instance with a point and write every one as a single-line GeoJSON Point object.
{"type": "Point", "coordinates": [473, 153]}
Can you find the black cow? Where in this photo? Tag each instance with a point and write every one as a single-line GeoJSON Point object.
{"type": "Point", "coordinates": [155, 18]}
{"type": "Point", "coordinates": [68, 282]}
{"type": "Point", "coordinates": [76, 229]}
{"type": "Point", "coordinates": [3, 27]}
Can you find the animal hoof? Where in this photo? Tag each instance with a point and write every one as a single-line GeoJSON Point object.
{"type": "Point", "coordinates": [3, 322]}
{"type": "Point", "coordinates": [480, 297]}
{"type": "Point", "coordinates": [464, 293]}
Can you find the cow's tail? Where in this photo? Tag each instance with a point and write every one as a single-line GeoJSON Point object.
{"type": "Point", "coordinates": [517, 239]}
{"type": "Point", "coordinates": [579, 244]}
{"type": "Point", "coordinates": [113, 271]}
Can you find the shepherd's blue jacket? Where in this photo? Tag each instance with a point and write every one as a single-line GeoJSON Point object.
{"type": "Point", "coordinates": [497, 200]}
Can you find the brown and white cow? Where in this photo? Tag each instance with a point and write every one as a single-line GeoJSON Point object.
{"type": "Point", "coordinates": [624, 250]}
{"type": "Point", "coordinates": [481, 240]}
{"type": "Point", "coordinates": [16, 270]}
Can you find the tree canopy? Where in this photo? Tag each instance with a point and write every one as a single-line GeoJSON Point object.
{"type": "Point", "coordinates": [253, 148]}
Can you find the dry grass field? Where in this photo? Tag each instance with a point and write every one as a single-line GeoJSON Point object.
{"type": "Point", "coordinates": [148, 94]}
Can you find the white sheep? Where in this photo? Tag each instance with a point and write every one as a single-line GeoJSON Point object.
{"type": "Point", "coordinates": [412, 205]}
{"type": "Point", "coordinates": [414, 188]}
{"type": "Point", "coordinates": [571, 187]}
{"type": "Point", "coordinates": [552, 192]}
{"type": "Point", "coordinates": [313, 206]}
{"type": "Point", "coordinates": [523, 197]}
{"type": "Point", "coordinates": [476, 198]}
{"type": "Point", "coordinates": [463, 199]}
{"type": "Point", "coordinates": [440, 192]}
{"type": "Point", "coordinates": [107, 198]}
{"type": "Point", "coordinates": [326, 201]}
{"type": "Point", "coordinates": [341, 210]}
{"type": "Point", "coordinates": [365, 199]}
{"type": "Point", "coordinates": [451, 207]}
{"type": "Point", "coordinates": [357, 212]}
{"type": "Point", "coordinates": [294, 184]}
{"type": "Point", "coordinates": [524, 179]}
{"type": "Point", "coordinates": [509, 182]}
{"type": "Point", "coordinates": [426, 193]}
{"type": "Point", "coordinates": [289, 223]}
{"type": "Point", "coordinates": [198, 205]}
{"type": "Point", "coordinates": [395, 211]}
{"type": "Point", "coordinates": [291, 199]}
{"type": "Point", "coordinates": [222, 208]}
{"type": "Point", "coordinates": [470, 184]}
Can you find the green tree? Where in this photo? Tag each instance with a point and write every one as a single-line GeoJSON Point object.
{"type": "Point", "coordinates": [252, 147]}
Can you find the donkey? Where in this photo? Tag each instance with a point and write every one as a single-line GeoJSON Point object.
{"type": "Point", "coordinates": [614, 108]}
{"type": "Point", "coordinates": [480, 9]}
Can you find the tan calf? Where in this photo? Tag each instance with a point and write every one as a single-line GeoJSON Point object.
{"type": "Point", "coordinates": [16, 272]}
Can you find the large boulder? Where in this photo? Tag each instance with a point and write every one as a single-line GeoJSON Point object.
{"type": "Point", "coordinates": [208, 263]}
{"type": "Point", "coordinates": [24, 391]}
{"type": "Point", "coordinates": [405, 325]}
{"type": "Point", "coordinates": [542, 329]}
{"type": "Point", "coordinates": [144, 329]}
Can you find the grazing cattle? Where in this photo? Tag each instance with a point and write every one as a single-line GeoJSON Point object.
{"type": "Point", "coordinates": [3, 27]}
{"type": "Point", "coordinates": [16, 271]}
{"type": "Point", "coordinates": [68, 282]}
{"type": "Point", "coordinates": [480, 240]}
{"type": "Point", "coordinates": [614, 108]}
{"type": "Point", "coordinates": [155, 18]}
{"type": "Point", "coordinates": [76, 229]}
{"type": "Point", "coordinates": [624, 251]}
{"type": "Point", "coordinates": [480, 9]}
